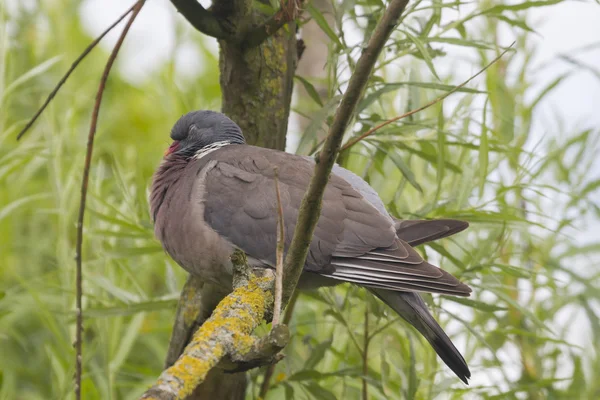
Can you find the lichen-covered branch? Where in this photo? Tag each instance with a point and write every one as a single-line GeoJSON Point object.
{"type": "Point", "coordinates": [311, 203]}
{"type": "Point", "coordinates": [226, 336]}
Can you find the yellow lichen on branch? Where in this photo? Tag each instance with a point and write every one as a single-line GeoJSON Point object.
{"type": "Point", "coordinates": [226, 334]}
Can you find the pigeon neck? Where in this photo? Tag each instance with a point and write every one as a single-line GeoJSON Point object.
{"type": "Point", "coordinates": [210, 148]}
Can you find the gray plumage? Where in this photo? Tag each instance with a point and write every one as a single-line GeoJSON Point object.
{"type": "Point", "coordinates": [213, 193]}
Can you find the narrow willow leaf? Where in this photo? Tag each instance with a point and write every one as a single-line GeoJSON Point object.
{"type": "Point", "coordinates": [424, 52]}
{"type": "Point", "coordinates": [126, 342]}
{"type": "Point", "coordinates": [117, 221]}
{"type": "Point", "coordinates": [289, 391]}
{"type": "Point", "coordinates": [323, 24]}
{"type": "Point", "coordinates": [310, 89]}
{"type": "Point", "coordinates": [390, 87]}
{"type": "Point", "coordinates": [440, 249]}
{"type": "Point", "coordinates": [550, 87]}
{"type": "Point", "coordinates": [461, 42]}
{"type": "Point", "coordinates": [483, 152]}
{"type": "Point", "coordinates": [479, 305]}
{"type": "Point", "coordinates": [404, 168]}
{"type": "Point", "coordinates": [441, 149]}
{"type": "Point", "coordinates": [317, 354]}
{"type": "Point", "coordinates": [27, 76]}
{"type": "Point", "coordinates": [521, 6]}
{"type": "Point", "coordinates": [305, 375]}
{"type": "Point", "coordinates": [126, 252]}
{"type": "Point", "coordinates": [502, 102]}
{"type": "Point", "coordinates": [131, 308]}
{"type": "Point", "coordinates": [514, 22]}
{"type": "Point", "coordinates": [317, 122]}
{"type": "Point", "coordinates": [413, 380]}
{"type": "Point", "coordinates": [319, 392]}
{"type": "Point", "coordinates": [9, 208]}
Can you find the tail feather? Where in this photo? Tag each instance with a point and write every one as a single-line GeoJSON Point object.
{"type": "Point", "coordinates": [413, 309]}
{"type": "Point", "coordinates": [416, 232]}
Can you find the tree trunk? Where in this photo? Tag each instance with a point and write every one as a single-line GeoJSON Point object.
{"type": "Point", "coordinates": [256, 86]}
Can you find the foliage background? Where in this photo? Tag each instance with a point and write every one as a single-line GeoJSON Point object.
{"type": "Point", "coordinates": [527, 331]}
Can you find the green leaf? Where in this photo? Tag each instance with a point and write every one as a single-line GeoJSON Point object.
{"type": "Point", "coordinates": [305, 375]}
{"type": "Point", "coordinates": [521, 6]}
{"type": "Point", "coordinates": [126, 342]}
{"type": "Point", "coordinates": [317, 354]}
{"type": "Point", "coordinates": [503, 104]}
{"type": "Point", "coordinates": [310, 89]}
{"type": "Point", "coordinates": [390, 87]}
{"type": "Point", "coordinates": [320, 392]}
{"type": "Point", "coordinates": [483, 152]}
{"type": "Point", "coordinates": [319, 118]}
{"type": "Point", "coordinates": [479, 305]}
{"type": "Point", "coordinates": [550, 87]}
{"type": "Point", "coordinates": [424, 52]}
{"type": "Point", "coordinates": [514, 22]}
{"type": "Point", "coordinates": [118, 221]}
{"type": "Point", "coordinates": [404, 169]}
{"type": "Point", "coordinates": [11, 207]}
{"type": "Point", "coordinates": [289, 391]}
{"type": "Point", "coordinates": [323, 24]}
{"type": "Point", "coordinates": [413, 380]}
{"type": "Point", "coordinates": [131, 308]}
{"type": "Point", "coordinates": [29, 75]}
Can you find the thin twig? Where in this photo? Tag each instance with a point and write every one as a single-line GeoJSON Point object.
{"type": "Point", "coordinates": [287, 317]}
{"type": "Point", "coordinates": [365, 355]}
{"type": "Point", "coordinates": [279, 253]}
{"type": "Point", "coordinates": [352, 142]}
{"type": "Point", "coordinates": [84, 184]}
{"type": "Point", "coordinates": [310, 208]}
{"type": "Point", "coordinates": [73, 67]}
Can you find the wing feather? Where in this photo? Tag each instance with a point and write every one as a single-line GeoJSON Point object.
{"type": "Point", "coordinates": [354, 241]}
{"type": "Point", "coordinates": [240, 204]}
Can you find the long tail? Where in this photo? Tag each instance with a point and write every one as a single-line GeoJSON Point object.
{"type": "Point", "coordinates": [413, 309]}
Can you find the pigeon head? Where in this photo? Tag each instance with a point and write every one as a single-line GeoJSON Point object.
{"type": "Point", "coordinates": [204, 129]}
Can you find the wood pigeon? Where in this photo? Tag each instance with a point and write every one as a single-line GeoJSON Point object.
{"type": "Point", "coordinates": [213, 193]}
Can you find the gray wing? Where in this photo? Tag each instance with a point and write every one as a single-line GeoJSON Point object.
{"type": "Point", "coordinates": [240, 204]}
{"type": "Point", "coordinates": [413, 232]}
{"type": "Point", "coordinates": [353, 241]}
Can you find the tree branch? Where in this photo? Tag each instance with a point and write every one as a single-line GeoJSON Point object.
{"type": "Point", "coordinates": [288, 12]}
{"type": "Point", "coordinates": [310, 208]}
{"type": "Point", "coordinates": [202, 19]}
{"type": "Point", "coordinates": [225, 338]}
{"type": "Point", "coordinates": [84, 184]}
{"type": "Point", "coordinates": [278, 254]}
{"type": "Point", "coordinates": [264, 387]}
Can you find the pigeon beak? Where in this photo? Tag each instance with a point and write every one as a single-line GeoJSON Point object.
{"type": "Point", "coordinates": [172, 148]}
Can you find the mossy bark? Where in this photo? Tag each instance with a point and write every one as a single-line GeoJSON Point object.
{"type": "Point", "coordinates": [226, 333]}
{"type": "Point", "coordinates": [257, 86]}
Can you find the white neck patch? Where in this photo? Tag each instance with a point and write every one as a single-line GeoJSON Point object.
{"type": "Point", "coordinates": [210, 148]}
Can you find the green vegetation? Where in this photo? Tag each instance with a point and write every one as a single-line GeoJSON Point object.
{"type": "Point", "coordinates": [476, 157]}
